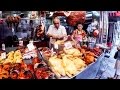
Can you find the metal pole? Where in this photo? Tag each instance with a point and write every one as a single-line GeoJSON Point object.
{"type": "Point", "coordinates": [103, 26]}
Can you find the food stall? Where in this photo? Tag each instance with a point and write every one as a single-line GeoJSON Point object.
{"type": "Point", "coordinates": [64, 60]}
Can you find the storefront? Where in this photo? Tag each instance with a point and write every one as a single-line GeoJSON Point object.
{"type": "Point", "coordinates": [25, 45]}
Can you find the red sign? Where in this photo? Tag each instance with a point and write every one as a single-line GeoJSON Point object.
{"type": "Point", "coordinates": [118, 13]}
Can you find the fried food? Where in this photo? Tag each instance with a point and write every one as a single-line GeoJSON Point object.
{"type": "Point", "coordinates": [69, 67]}
{"type": "Point", "coordinates": [56, 65]}
{"type": "Point", "coordinates": [14, 57]}
{"type": "Point", "coordinates": [72, 51]}
{"type": "Point", "coordinates": [79, 63]}
{"type": "Point", "coordinates": [59, 42]}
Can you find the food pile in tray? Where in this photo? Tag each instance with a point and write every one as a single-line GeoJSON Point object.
{"type": "Point", "coordinates": [67, 63]}
{"type": "Point", "coordinates": [22, 64]}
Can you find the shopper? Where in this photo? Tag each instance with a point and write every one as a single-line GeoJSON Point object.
{"type": "Point", "coordinates": [56, 31]}
{"type": "Point", "coordinates": [117, 65]}
{"type": "Point", "coordinates": [79, 34]}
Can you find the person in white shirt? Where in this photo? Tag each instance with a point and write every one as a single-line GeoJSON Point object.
{"type": "Point", "coordinates": [56, 31]}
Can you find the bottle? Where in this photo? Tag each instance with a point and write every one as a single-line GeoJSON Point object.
{"type": "Point", "coordinates": [20, 42]}
{"type": "Point", "coordinates": [3, 47]}
{"type": "Point", "coordinates": [3, 54]}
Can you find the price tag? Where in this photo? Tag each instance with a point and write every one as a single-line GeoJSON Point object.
{"type": "Point", "coordinates": [12, 29]}
{"type": "Point", "coordinates": [30, 47]}
{"type": "Point", "coordinates": [56, 46]}
{"type": "Point", "coordinates": [3, 46]}
{"type": "Point", "coordinates": [3, 55]}
{"type": "Point", "coordinates": [68, 45]}
{"type": "Point", "coordinates": [20, 43]}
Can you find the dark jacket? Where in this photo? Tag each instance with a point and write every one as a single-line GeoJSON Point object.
{"type": "Point", "coordinates": [117, 55]}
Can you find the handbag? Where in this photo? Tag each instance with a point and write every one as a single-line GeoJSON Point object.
{"type": "Point", "coordinates": [116, 54]}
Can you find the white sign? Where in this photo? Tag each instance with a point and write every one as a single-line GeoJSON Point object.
{"type": "Point", "coordinates": [68, 45]}
{"type": "Point", "coordinates": [20, 43]}
{"type": "Point", "coordinates": [3, 46]}
{"type": "Point", "coordinates": [56, 46]}
{"type": "Point", "coordinates": [30, 47]}
{"type": "Point", "coordinates": [3, 55]}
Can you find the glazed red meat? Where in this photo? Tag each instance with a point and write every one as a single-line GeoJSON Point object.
{"type": "Point", "coordinates": [14, 75]}
{"type": "Point", "coordinates": [41, 74]}
{"type": "Point", "coordinates": [75, 17]}
{"type": "Point", "coordinates": [21, 75]}
{"type": "Point", "coordinates": [30, 67]}
{"type": "Point", "coordinates": [36, 60]}
{"type": "Point", "coordinates": [6, 67]}
{"type": "Point", "coordinates": [28, 75]}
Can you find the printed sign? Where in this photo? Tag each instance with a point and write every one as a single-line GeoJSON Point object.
{"type": "Point", "coordinates": [30, 47]}
{"type": "Point", "coordinates": [3, 55]}
{"type": "Point", "coordinates": [68, 45]}
{"type": "Point", "coordinates": [20, 43]}
{"type": "Point", "coordinates": [56, 46]}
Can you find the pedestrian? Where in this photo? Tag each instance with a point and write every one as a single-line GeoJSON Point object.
{"type": "Point", "coordinates": [117, 65]}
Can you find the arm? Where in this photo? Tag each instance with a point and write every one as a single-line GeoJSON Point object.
{"type": "Point", "coordinates": [64, 32]}
{"type": "Point", "coordinates": [72, 36]}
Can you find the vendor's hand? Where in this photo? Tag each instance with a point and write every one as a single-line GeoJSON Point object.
{"type": "Point", "coordinates": [54, 36]}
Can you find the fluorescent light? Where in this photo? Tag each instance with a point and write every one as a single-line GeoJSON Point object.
{"type": "Point", "coordinates": [95, 13]}
{"type": "Point", "coordinates": [89, 15]}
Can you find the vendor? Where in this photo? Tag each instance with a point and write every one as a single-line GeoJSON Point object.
{"type": "Point", "coordinates": [56, 31]}
{"type": "Point", "coordinates": [79, 35]}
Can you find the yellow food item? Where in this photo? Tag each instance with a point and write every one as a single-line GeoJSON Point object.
{"type": "Point", "coordinates": [56, 65]}
{"type": "Point", "coordinates": [73, 51]}
{"type": "Point", "coordinates": [59, 42]}
{"type": "Point", "coordinates": [79, 63]}
{"type": "Point", "coordinates": [14, 57]}
{"type": "Point", "coordinates": [69, 67]}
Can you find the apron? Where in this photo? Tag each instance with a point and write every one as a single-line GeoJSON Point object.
{"type": "Point", "coordinates": [52, 41]}
{"type": "Point", "coordinates": [79, 37]}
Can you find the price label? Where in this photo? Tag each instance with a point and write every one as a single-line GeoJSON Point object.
{"type": "Point", "coordinates": [56, 46]}
{"type": "Point", "coordinates": [12, 29]}
{"type": "Point", "coordinates": [30, 47]}
{"type": "Point", "coordinates": [68, 45]}
{"type": "Point", "coordinates": [3, 46]}
{"type": "Point", "coordinates": [3, 55]}
{"type": "Point", "coordinates": [20, 43]}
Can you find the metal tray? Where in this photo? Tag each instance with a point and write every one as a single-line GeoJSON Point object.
{"type": "Point", "coordinates": [83, 69]}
